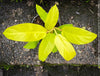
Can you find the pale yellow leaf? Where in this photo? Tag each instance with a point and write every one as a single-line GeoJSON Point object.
{"type": "Point", "coordinates": [26, 32]}
{"type": "Point", "coordinates": [64, 47]}
{"type": "Point", "coordinates": [52, 18]}
{"type": "Point", "coordinates": [41, 12]}
{"type": "Point", "coordinates": [46, 46]}
{"type": "Point", "coordinates": [77, 35]}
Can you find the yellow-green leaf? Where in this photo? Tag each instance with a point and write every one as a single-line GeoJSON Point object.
{"type": "Point", "coordinates": [64, 47]}
{"type": "Point", "coordinates": [54, 50]}
{"type": "Point", "coordinates": [31, 45]}
{"type": "Point", "coordinates": [25, 32]}
{"type": "Point", "coordinates": [52, 18]}
{"type": "Point", "coordinates": [41, 12]}
{"type": "Point", "coordinates": [46, 46]}
{"type": "Point", "coordinates": [62, 26]}
{"type": "Point", "coordinates": [77, 35]}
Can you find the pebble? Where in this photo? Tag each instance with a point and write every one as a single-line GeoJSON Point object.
{"type": "Point", "coordinates": [16, 20]}
{"type": "Point", "coordinates": [77, 13]}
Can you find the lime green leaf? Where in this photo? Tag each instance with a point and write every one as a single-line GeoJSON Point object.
{"type": "Point", "coordinates": [58, 31]}
{"type": "Point", "coordinates": [41, 12]}
{"type": "Point", "coordinates": [54, 50]}
{"type": "Point", "coordinates": [62, 26]}
{"type": "Point", "coordinates": [52, 18]}
{"type": "Point", "coordinates": [77, 35]}
{"type": "Point", "coordinates": [25, 32]}
{"type": "Point", "coordinates": [31, 45]}
{"type": "Point", "coordinates": [46, 46]}
{"type": "Point", "coordinates": [64, 47]}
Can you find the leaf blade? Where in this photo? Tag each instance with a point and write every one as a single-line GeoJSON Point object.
{"type": "Point", "coordinates": [25, 32]}
{"type": "Point", "coordinates": [64, 47]}
{"type": "Point", "coordinates": [46, 46]}
{"type": "Point", "coordinates": [52, 17]}
{"type": "Point", "coordinates": [65, 25]}
{"type": "Point", "coordinates": [54, 50]}
{"type": "Point", "coordinates": [31, 45]}
{"type": "Point", "coordinates": [41, 12]}
{"type": "Point", "coordinates": [62, 26]}
{"type": "Point", "coordinates": [77, 35]}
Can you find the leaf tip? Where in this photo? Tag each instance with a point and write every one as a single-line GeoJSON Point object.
{"type": "Point", "coordinates": [42, 59]}
{"type": "Point", "coordinates": [74, 54]}
{"type": "Point", "coordinates": [4, 33]}
{"type": "Point", "coordinates": [37, 5]}
{"type": "Point", "coordinates": [95, 35]}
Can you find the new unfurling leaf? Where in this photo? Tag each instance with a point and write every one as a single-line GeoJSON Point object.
{"type": "Point", "coordinates": [52, 18]}
{"type": "Point", "coordinates": [41, 12]}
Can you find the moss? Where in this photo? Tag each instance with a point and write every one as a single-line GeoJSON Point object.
{"type": "Point", "coordinates": [6, 67]}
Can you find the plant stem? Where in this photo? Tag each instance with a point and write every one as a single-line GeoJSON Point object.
{"type": "Point", "coordinates": [50, 30]}
{"type": "Point", "coordinates": [58, 29]}
{"type": "Point", "coordinates": [55, 31]}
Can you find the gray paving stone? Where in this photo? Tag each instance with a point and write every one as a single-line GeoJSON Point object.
{"type": "Point", "coordinates": [1, 72]}
{"type": "Point", "coordinates": [79, 14]}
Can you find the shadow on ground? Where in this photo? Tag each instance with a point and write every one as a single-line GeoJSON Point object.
{"type": "Point", "coordinates": [47, 70]}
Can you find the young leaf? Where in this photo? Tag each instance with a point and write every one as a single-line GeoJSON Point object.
{"type": "Point", "coordinates": [31, 45]}
{"type": "Point", "coordinates": [25, 32]}
{"type": "Point", "coordinates": [77, 35]}
{"type": "Point", "coordinates": [64, 47]}
{"type": "Point", "coordinates": [46, 46]}
{"type": "Point", "coordinates": [52, 18]}
{"type": "Point", "coordinates": [54, 50]}
{"type": "Point", "coordinates": [41, 12]}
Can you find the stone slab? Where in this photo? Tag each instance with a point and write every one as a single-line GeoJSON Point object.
{"type": "Point", "coordinates": [62, 70]}
{"type": "Point", "coordinates": [79, 14]}
{"type": "Point", "coordinates": [1, 72]}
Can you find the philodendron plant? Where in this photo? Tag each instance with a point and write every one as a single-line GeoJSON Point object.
{"type": "Point", "coordinates": [52, 38]}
